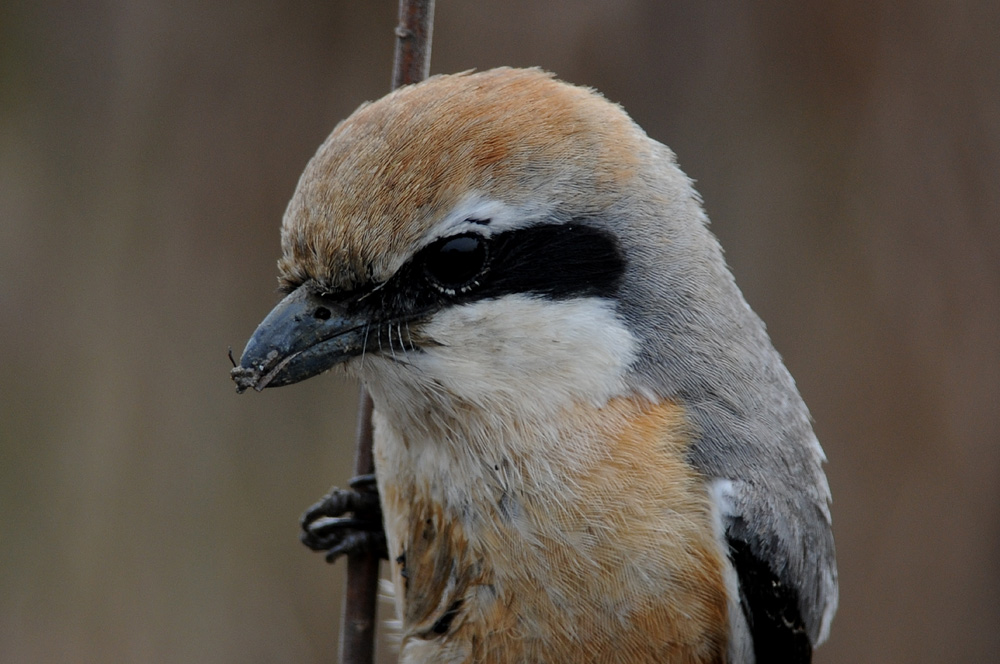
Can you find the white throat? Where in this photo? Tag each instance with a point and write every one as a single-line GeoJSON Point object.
{"type": "Point", "coordinates": [517, 358]}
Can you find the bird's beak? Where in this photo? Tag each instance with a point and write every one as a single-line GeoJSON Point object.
{"type": "Point", "coordinates": [304, 335]}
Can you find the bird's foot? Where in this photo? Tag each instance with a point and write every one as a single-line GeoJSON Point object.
{"type": "Point", "coordinates": [326, 528]}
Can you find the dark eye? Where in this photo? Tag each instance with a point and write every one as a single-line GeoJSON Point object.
{"type": "Point", "coordinates": [454, 263]}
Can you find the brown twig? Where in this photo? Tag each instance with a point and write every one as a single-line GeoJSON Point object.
{"type": "Point", "coordinates": [413, 42]}
{"type": "Point", "coordinates": [357, 629]}
{"type": "Point", "coordinates": [357, 633]}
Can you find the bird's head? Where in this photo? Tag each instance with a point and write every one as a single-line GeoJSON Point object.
{"type": "Point", "coordinates": [490, 238]}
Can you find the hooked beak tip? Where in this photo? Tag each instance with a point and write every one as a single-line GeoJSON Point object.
{"type": "Point", "coordinates": [259, 375]}
{"type": "Point", "coordinates": [245, 378]}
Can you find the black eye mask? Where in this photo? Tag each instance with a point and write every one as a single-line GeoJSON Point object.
{"type": "Point", "coordinates": [557, 261]}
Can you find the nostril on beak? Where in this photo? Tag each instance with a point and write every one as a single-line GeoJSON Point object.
{"type": "Point", "coordinates": [322, 313]}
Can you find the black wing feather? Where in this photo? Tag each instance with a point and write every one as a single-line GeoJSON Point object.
{"type": "Point", "coordinates": [771, 609]}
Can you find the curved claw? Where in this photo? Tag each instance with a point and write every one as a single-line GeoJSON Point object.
{"type": "Point", "coordinates": [366, 482]}
{"type": "Point", "coordinates": [357, 542]}
{"type": "Point", "coordinates": [325, 528]}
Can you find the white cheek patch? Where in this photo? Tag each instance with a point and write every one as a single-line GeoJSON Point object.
{"type": "Point", "coordinates": [531, 351]}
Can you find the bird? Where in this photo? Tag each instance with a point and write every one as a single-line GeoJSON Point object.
{"type": "Point", "coordinates": [586, 447]}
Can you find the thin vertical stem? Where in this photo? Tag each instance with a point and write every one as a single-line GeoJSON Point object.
{"type": "Point", "coordinates": [357, 633]}
{"type": "Point", "coordinates": [412, 63]}
{"type": "Point", "coordinates": [357, 630]}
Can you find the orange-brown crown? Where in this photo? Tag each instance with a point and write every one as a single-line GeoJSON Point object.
{"type": "Point", "coordinates": [392, 170]}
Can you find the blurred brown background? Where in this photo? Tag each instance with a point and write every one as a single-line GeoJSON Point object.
{"type": "Point", "coordinates": [848, 153]}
